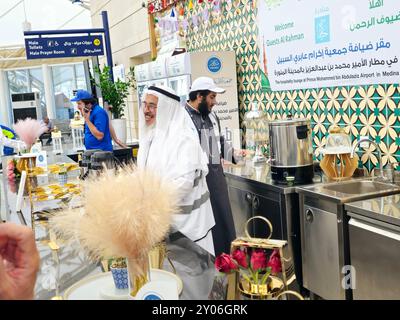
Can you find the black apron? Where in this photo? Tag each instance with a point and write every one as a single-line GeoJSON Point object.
{"type": "Point", "coordinates": [224, 230]}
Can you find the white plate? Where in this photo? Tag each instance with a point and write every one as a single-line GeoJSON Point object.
{"type": "Point", "coordinates": [110, 292]}
{"type": "Point", "coordinates": [101, 286]}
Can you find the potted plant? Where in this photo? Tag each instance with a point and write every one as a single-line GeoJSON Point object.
{"type": "Point", "coordinates": [119, 272]}
{"type": "Point", "coordinates": [114, 96]}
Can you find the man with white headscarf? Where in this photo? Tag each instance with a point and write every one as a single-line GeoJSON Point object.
{"type": "Point", "coordinates": [170, 147]}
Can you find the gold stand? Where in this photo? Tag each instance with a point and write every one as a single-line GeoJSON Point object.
{"type": "Point", "coordinates": [139, 274]}
{"type": "Point", "coordinates": [55, 248]}
{"type": "Point", "coordinates": [235, 286]}
{"type": "Point", "coordinates": [157, 257]}
{"type": "Point", "coordinates": [27, 164]}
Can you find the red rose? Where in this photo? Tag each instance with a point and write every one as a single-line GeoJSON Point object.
{"type": "Point", "coordinates": [225, 264]}
{"type": "Point", "coordinates": [240, 257]}
{"type": "Point", "coordinates": [258, 260]}
{"type": "Point", "coordinates": [11, 166]}
{"type": "Point", "coordinates": [275, 262]}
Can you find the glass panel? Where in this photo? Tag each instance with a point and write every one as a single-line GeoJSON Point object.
{"type": "Point", "coordinates": [64, 85]}
{"type": "Point", "coordinates": [37, 85]}
{"type": "Point", "coordinates": [63, 80]}
{"type": "Point", "coordinates": [80, 77]}
{"type": "Point", "coordinates": [80, 71]}
{"type": "Point", "coordinates": [18, 81]}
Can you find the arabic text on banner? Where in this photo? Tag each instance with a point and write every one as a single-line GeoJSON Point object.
{"type": "Point", "coordinates": [329, 43]}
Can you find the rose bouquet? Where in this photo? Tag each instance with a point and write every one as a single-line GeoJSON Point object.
{"type": "Point", "coordinates": [253, 265]}
{"type": "Point", "coordinates": [12, 175]}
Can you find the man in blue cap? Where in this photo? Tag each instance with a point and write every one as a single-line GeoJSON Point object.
{"type": "Point", "coordinates": [97, 127]}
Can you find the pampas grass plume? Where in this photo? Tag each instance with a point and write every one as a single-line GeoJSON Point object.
{"type": "Point", "coordinates": [29, 130]}
{"type": "Point", "coordinates": [124, 214]}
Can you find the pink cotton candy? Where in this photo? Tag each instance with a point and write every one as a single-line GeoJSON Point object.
{"type": "Point", "coordinates": [29, 130]}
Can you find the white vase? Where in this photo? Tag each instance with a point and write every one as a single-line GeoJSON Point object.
{"type": "Point", "coordinates": [119, 126]}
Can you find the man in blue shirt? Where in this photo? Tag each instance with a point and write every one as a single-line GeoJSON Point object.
{"type": "Point", "coordinates": [97, 127]}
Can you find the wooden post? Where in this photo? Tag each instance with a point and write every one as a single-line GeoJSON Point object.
{"type": "Point", "coordinates": [153, 44]}
{"type": "Point", "coordinates": [232, 293]}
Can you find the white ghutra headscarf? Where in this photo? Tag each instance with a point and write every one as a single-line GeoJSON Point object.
{"type": "Point", "coordinates": [171, 148]}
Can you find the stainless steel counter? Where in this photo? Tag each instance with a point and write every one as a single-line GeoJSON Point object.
{"type": "Point", "coordinates": [385, 209]}
{"type": "Point", "coordinates": [252, 193]}
{"type": "Point", "coordinates": [374, 238]}
{"type": "Point", "coordinates": [354, 189]}
{"type": "Point", "coordinates": [257, 173]}
{"type": "Point", "coordinates": [313, 219]}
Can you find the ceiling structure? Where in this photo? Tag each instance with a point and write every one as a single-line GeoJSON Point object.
{"type": "Point", "coordinates": [83, 3]}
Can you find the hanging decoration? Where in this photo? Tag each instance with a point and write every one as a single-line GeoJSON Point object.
{"type": "Point", "coordinates": [237, 6]}
{"type": "Point", "coordinates": [177, 16]}
{"type": "Point", "coordinates": [182, 11]}
{"type": "Point", "coordinates": [161, 25]}
{"type": "Point", "coordinates": [205, 15]}
{"type": "Point", "coordinates": [217, 6]}
{"type": "Point", "coordinates": [195, 22]}
{"type": "Point", "coordinates": [216, 11]}
{"type": "Point", "coordinates": [158, 6]}
{"type": "Point", "coordinates": [174, 21]}
{"type": "Point", "coordinates": [185, 25]}
{"type": "Point", "coordinates": [151, 8]}
{"type": "Point", "coordinates": [154, 6]}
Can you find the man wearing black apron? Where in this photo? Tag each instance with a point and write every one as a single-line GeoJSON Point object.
{"type": "Point", "coordinates": [202, 98]}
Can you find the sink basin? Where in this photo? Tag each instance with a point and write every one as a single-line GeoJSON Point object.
{"type": "Point", "coordinates": [349, 191]}
{"type": "Point", "coordinates": [359, 187]}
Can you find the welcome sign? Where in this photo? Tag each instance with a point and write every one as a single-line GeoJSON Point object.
{"type": "Point", "coordinates": [329, 43]}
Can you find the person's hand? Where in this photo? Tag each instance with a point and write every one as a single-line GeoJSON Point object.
{"type": "Point", "coordinates": [241, 153]}
{"type": "Point", "coordinates": [122, 145]}
{"type": "Point", "coordinates": [19, 262]}
{"type": "Point", "coordinates": [86, 115]}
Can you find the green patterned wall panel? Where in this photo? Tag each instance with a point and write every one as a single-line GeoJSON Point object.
{"type": "Point", "coordinates": [361, 110]}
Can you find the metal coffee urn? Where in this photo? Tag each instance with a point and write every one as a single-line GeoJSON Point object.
{"type": "Point", "coordinates": [85, 163]}
{"type": "Point", "coordinates": [101, 160]}
{"type": "Point", "coordinates": [291, 152]}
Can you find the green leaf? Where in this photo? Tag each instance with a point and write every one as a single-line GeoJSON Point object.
{"type": "Point", "coordinates": [266, 276]}
{"type": "Point", "coordinates": [246, 277]}
{"type": "Point", "coordinates": [115, 93]}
